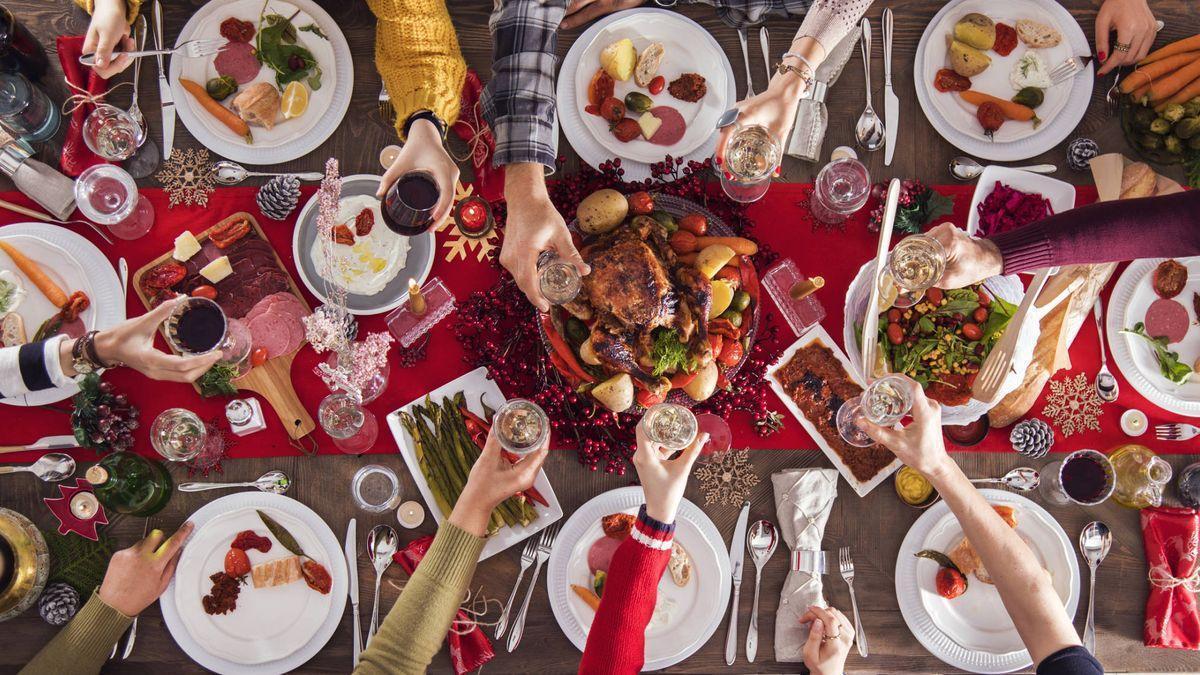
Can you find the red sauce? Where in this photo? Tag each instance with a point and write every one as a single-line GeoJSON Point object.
{"type": "Point", "coordinates": [316, 576]}
{"type": "Point", "coordinates": [222, 599]}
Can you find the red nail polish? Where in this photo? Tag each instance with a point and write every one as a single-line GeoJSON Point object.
{"type": "Point", "coordinates": [1103, 56]}
{"type": "Point", "coordinates": [728, 176]}
{"type": "Point", "coordinates": [718, 160]}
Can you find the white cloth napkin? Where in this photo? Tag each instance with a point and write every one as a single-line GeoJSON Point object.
{"type": "Point", "coordinates": [803, 498]}
{"type": "Point", "coordinates": [812, 118]}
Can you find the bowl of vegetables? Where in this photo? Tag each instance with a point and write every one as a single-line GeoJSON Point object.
{"type": "Point", "coordinates": [1166, 133]}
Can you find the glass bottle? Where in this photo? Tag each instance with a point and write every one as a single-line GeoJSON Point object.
{"type": "Point", "coordinates": [1141, 476]}
{"type": "Point", "coordinates": [26, 110]}
{"type": "Point", "coordinates": [131, 484]}
{"type": "Point", "coordinates": [1189, 486]}
{"type": "Point", "coordinates": [20, 52]}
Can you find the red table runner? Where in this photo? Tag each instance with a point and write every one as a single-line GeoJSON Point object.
{"type": "Point", "coordinates": [782, 222]}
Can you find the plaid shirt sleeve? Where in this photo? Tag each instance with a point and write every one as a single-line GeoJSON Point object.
{"type": "Point", "coordinates": [519, 100]}
{"type": "Point", "coordinates": [739, 13]}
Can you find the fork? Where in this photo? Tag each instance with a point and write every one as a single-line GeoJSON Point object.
{"type": "Point", "coordinates": [1112, 96]}
{"type": "Point", "coordinates": [742, 37]}
{"type": "Point", "coordinates": [191, 49]}
{"type": "Point", "coordinates": [1068, 69]}
{"type": "Point", "coordinates": [131, 634]}
{"type": "Point", "coordinates": [134, 109]}
{"type": "Point", "coordinates": [545, 545]}
{"type": "Point", "coordinates": [527, 558]}
{"type": "Point", "coordinates": [388, 112]}
{"type": "Point", "coordinates": [847, 567]}
{"type": "Point", "coordinates": [1176, 432]}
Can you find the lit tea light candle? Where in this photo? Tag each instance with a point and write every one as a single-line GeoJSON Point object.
{"type": "Point", "coordinates": [388, 155]}
{"type": "Point", "coordinates": [473, 216]}
{"type": "Point", "coordinates": [84, 505]}
{"type": "Point", "coordinates": [806, 288]}
{"type": "Point", "coordinates": [416, 300]}
{"type": "Point", "coordinates": [1134, 422]}
{"type": "Point", "coordinates": [410, 514]}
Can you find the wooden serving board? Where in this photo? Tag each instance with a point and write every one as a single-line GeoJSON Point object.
{"type": "Point", "coordinates": [272, 380]}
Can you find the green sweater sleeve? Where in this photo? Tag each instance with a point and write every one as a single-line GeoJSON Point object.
{"type": "Point", "coordinates": [84, 644]}
{"type": "Point", "coordinates": [414, 630]}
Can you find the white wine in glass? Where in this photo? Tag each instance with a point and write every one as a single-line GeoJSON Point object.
{"type": "Point", "coordinates": [884, 402]}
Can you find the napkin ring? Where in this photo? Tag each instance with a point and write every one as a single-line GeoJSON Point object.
{"type": "Point", "coordinates": [810, 562]}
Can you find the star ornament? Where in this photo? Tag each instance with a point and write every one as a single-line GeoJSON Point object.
{"type": "Point", "coordinates": [81, 517]}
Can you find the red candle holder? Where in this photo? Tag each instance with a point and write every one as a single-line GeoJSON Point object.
{"type": "Point", "coordinates": [78, 510]}
{"type": "Point", "coordinates": [473, 216]}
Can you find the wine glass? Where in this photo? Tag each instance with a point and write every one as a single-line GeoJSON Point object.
{"type": "Point", "coordinates": [178, 434]}
{"type": "Point", "coordinates": [914, 265]}
{"type": "Point", "coordinates": [670, 425]}
{"type": "Point", "coordinates": [751, 157]}
{"type": "Point", "coordinates": [112, 133]}
{"type": "Point", "coordinates": [720, 437]}
{"type": "Point", "coordinates": [1084, 477]}
{"type": "Point", "coordinates": [884, 402]}
{"type": "Point", "coordinates": [106, 194]}
{"type": "Point", "coordinates": [199, 326]}
{"type": "Point", "coordinates": [352, 427]}
{"type": "Point", "coordinates": [558, 279]}
{"type": "Point", "coordinates": [521, 426]}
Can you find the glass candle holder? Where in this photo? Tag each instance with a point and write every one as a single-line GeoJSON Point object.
{"type": "Point", "coordinates": [375, 488]}
{"type": "Point", "coordinates": [473, 216]}
{"type": "Point", "coordinates": [410, 321]}
{"type": "Point", "coordinates": [783, 283]}
{"type": "Point", "coordinates": [352, 427]}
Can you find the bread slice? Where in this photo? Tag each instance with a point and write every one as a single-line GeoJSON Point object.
{"type": "Point", "coordinates": [1037, 34]}
{"type": "Point", "coordinates": [967, 559]}
{"type": "Point", "coordinates": [1138, 180]}
{"type": "Point", "coordinates": [647, 64]}
{"type": "Point", "coordinates": [12, 330]}
{"type": "Point", "coordinates": [276, 572]}
{"type": "Point", "coordinates": [680, 565]}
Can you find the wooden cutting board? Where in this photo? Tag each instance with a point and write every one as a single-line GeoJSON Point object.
{"type": "Point", "coordinates": [272, 380]}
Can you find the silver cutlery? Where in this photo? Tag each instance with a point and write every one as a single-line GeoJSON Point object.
{"type": "Point", "coordinates": [1094, 543]}
{"type": "Point", "coordinates": [761, 543]}
{"type": "Point", "coordinates": [386, 110]}
{"type": "Point", "coordinates": [728, 117]}
{"type": "Point", "coordinates": [869, 130]}
{"type": "Point", "coordinates": [164, 87]}
{"type": "Point", "coordinates": [381, 544]}
{"type": "Point", "coordinates": [998, 365]}
{"type": "Point", "coordinates": [847, 568]}
{"type": "Point", "coordinates": [544, 547]}
{"type": "Point", "coordinates": [1068, 69]}
{"type": "Point", "coordinates": [891, 102]}
{"type": "Point", "coordinates": [764, 41]}
{"type": "Point", "coordinates": [275, 482]}
{"type": "Point", "coordinates": [967, 169]}
{"type": "Point", "coordinates": [130, 635]}
{"type": "Point", "coordinates": [1176, 432]}
{"type": "Point", "coordinates": [352, 567]}
{"type": "Point", "coordinates": [45, 443]}
{"type": "Point", "coordinates": [1106, 385]}
{"type": "Point", "coordinates": [123, 273]}
{"type": "Point", "coordinates": [528, 555]}
{"type": "Point", "coordinates": [51, 468]}
{"type": "Point", "coordinates": [24, 211]}
{"type": "Point", "coordinates": [192, 49]}
{"type": "Point", "coordinates": [226, 172]}
{"type": "Point", "coordinates": [1022, 479]}
{"type": "Point", "coordinates": [737, 554]}
{"type": "Point", "coordinates": [1112, 97]}
{"type": "Point", "coordinates": [746, 59]}
{"type": "Point", "coordinates": [134, 109]}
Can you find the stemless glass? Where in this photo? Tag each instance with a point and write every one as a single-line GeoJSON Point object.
{"type": "Point", "coordinates": [352, 427]}
{"type": "Point", "coordinates": [884, 402]}
{"type": "Point", "coordinates": [558, 279]}
{"type": "Point", "coordinates": [178, 434]}
{"type": "Point", "coordinates": [375, 488]}
{"type": "Point", "coordinates": [720, 437]}
{"type": "Point", "coordinates": [670, 425]}
{"type": "Point", "coordinates": [914, 265]}
{"type": "Point", "coordinates": [751, 157]}
{"type": "Point", "coordinates": [199, 326]}
{"type": "Point", "coordinates": [112, 133]}
{"type": "Point", "coordinates": [842, 187]}
{"type": "Point", "coordinates": [106, 194]}
{"type": "Point", "coordinates": [521, 426]}
{"type": "Point", "coordinates": [1084, 477]}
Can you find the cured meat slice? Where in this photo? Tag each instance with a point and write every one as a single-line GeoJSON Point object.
{"type": "Point", "coordinates": [1170, 277]}
{"type": "Point", "coordinates": [1167, 318]}
{"type": "Point", "coordinates": [237, 60]}
{"type": "Point", "coordinates": [673, 127]}
{"type": "Point", "coordinates": [270, 331]}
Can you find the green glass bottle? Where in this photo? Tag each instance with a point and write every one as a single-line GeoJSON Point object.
{"type": "Point", "coordinates": [131, 484]}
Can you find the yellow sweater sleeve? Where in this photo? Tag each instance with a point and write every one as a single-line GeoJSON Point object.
{"type": "Point", "coordinates": [417, 54]}
{"type": "Point", "coordinates": [84, 644]}
{"type": "Point", "coordinates": [131, 7]}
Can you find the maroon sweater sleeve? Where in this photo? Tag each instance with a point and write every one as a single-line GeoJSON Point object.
{"type": "Point", "coordinates": [616, 643]}
{"type": "Point", "coordinates": [1153, 227]}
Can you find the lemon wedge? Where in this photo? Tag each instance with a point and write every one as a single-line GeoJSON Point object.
{"type": "Point", "coordinates": [295, 100]}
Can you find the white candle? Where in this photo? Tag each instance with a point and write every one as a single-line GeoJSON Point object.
{"type": "Point", "coordinates": [388, 155]}
{"type": "Point", "coordinates": [84, 505]}
{"type": "Point", "coordinates": [410, 514]}
{"type": "Point", "coordinates": [1134, 422]}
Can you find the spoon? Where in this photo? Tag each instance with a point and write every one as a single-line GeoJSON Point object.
{"type": "Point", "coordinates": [1022, 478]}
{"type": "Point", "coordinates": [1094, 543]}
{"type": "Point", "coordinates": [52, 467]}
{"type": "Point", "coordinates": [231, 173]}
{"type": "Point", "coordinates": [1106, 385]}
{"type": "Point", "coordinates": [965, 168]}
{"type": "Point", "coordinates": [761, 542]}
{"type": "Point", "coordinates": [381, 544]}
{"type": "Point", "coordinates": [869, 129]}
{"type": "Point", "coordinates": [275, 482]}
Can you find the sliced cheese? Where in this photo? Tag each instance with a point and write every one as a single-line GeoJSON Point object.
{"type": "Point", "coordinates": [186, 246]}
{"type": "Point", "coordinates": [649, 124]}
{"type": "Point", "coordinates": [217, 269]}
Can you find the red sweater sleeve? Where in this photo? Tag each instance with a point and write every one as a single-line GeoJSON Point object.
{"type": "Point", "coordinates": [1153, 227]}
{"type": "Point", "coordinates": [616, 643]}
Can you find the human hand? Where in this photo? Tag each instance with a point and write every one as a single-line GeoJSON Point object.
{"type": "Point", "coordinates": [137, 575]}
{"type": "Point", "coordinates": [663, 479]}
{"type": "Point", "coordinates": [533, 226]}
{"type": "Point", "coordinates": [920, 444]}
{"type": "Point", "coordinates": [424, 151]}
{"type": "Point", "coordinates": [492, 480]}
{"type": "Point", "coordinates": [108, 29]}
{"type": "Point", "coordinates": [829, 640]}
{"type": "Point", "coordinates": [580, 12]}
{"type": "Point", "coordinates": [969, 259]}
{"type": "Point", "coordinates": [1135, 26]}
{"type": "Point", "coordinates": [132, 343]}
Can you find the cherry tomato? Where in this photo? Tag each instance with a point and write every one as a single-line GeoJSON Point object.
{"type": "Point", "coordinates": [656, 85]}
{"type": "Point", "coordinates": [991, 117]}
{"type": "Point", "coordinates": [731, 354]}
{"type": "Point", "coordinates": [985, 300]}
{"type": "Point", "coordinates": [626, 130]}
{"type": "Point", "coordinates": [694, 223]}
{"type": "Point", "coordinates": [648, 398]}
{"type": "Point", "coordinates": [612, 109]}
{"type": "Point", "coordinates": [258, 356]}
{"type": "Point", "coordinates": [980, 315]}
{"type": "Point", "coordinates": [716, 343]}
{"type": "Point", "coordinates": [948, 80]}
{"type": "Point", "coordinates": [641, 204]}
{"type": "Point", "coordinates": [205, 291]}
{"type": "Point", "coordinates": [950, 583]}
{"type": "Point", "coordinates": [895, 333]}
{"type": "Point", "coordinates": [935, 295]}
{"type": "Point", "coordinates": [683, 241]}
{"type": "Point", "coordinates": [972, 331]}
{"type": "Point", "coordinates": [592, 109]}
{"type": "Point", "coordinates": [237, 563]}
{"type": "Point", "coordinates": [894, 315]}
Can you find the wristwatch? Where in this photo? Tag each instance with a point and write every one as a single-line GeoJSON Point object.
{"type": "Point", "coordinates": [666, 3]}
{"type": "Point", "coordinates": [84, 358]}
{"type": "Point", "coordinates": [425, 115]}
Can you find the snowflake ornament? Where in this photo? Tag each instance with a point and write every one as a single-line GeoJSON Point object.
{"type": "Point", "coordinates": [1073, 405]}
{"type": "Point", "coordinates": [727, 478]}
{"type": "Point", "coordinates": [457, 243]}
{"type": "Point", "coordinates": [188, 177]}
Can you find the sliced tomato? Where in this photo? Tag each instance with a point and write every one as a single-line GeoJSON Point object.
{"type": "Point", "coordinates": [205, 291]}
{"type": "Point", "coordinates": [649, 398]}
{"type": "Point", "coordinates": [716, 342]}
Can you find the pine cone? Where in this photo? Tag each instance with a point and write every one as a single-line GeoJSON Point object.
{"type": "Point", "coordinates": [279, 197]}
{"type": "Point", "coordinates": [1032, 438]}
{"type": "Point", "coordinates": [1080, 152]}
{"type": "Point", "coordinates": [58, 603]}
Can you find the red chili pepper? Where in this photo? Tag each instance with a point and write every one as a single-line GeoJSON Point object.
{"type": "Point", "coordinates": [725, 328]}
{"type": "Point", "coordinates": [566, 356]}
{"type": "Point", "coordinates": [648, 398]}
{"type": "Point", "coordinates": [749, 280]}
{"type": "Point", "coordinates": [532, 493]}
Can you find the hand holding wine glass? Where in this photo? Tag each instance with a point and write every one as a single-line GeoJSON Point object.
{"type": "Point", "coordinates": [132, 344]}
{"type": "Point", "coordinates": [664, 479]}
{"type": "Point", "coordinates": [969, 260]}
{"type": "Point", "coordinates": [493, 479]}
{"type": "Point", "coordinates": [423, 158]}
{"type": "Point", "coordinates": [920, 444]}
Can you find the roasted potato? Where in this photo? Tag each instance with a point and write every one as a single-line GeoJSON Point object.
{"type": "Point", "coordinates": [619, 59]}
{"type": "Point", "coordinates": [615, 393]}
{"type": "Point", "coordinates": [967, 60]}
{"type": "Point", "coordinates": [977, 30]}
{"type": "Point", "coordinates": [602, 211]}
{"type": "Point", "coordinates": [587, 353]}
{"type": "Point", "coordinates": [710, 260]}
{"type": "Point", "coordinates": [704, 384]}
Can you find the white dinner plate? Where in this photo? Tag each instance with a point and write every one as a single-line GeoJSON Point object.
{"type": "Point", "coordinates": [273, 630]}
{"type": "Point", "coordinates": [477, 388]}
{"type": "Point", "coordinates": [1060, 194]}
{"type": "Point", "coordinates": [1064, 106]}
{"type": "Point", "coordinates": [973, 631]}
{"type": "Point", "coordinates": [417, 264]}
{"type": "Point", "coordinates": [75, 264]}
{"type": "Point", "coordinates": [289, 139]}
{"type": "Point", "coordinates": [1134, 357]}
{"type": "Point", "coordinates": [688, 616]}
{"type": "Point", "coordinates": [689, 48]}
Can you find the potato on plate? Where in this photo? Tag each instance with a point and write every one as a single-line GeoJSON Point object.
{"type": "Point", "coordinates": [704, 384]}
{"type": "Point", "coordinates": [619, 59]}
{"type": "Point", "coordinates": [722, 298]}
{"type": "Point", "coordinates": [602, 211]}
{"type": "Point", "coordinates": [976, 30]}
{"type": "Point", "coordinates": [712, 258]}
{"type": "Point", "coordinates": [616, 393]}
{"type": "Point", "coordinates": [967, 60]}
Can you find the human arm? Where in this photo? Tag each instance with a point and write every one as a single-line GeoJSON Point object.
{"type": "Point", "coordinates": [829, 640]}
{"type": "Point", "coordinates": [109, 28]}
{"type": "Point", "coordinates": [737, 13]}
{"type": "Point", "coordinates": [415, 628]}
{"type": "Point", "coordinates": [1136, 29]}
{"type": "Point", "coordinates": [136, 576]}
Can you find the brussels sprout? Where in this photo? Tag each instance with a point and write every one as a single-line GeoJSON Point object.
{"type": "Point", "coordinates": [741, 300]}
{"type": "Point", "coordinates": [577, 331]}
{"type": "Point", "coordinates": [1030, 97]}
{"type": "Point", "coordinates": [1142, 117]}
{"type": "Point", "coordinates": [1160, 126]}
{"type": "Point", "coordinates": [1192, 107]}
{"type": "Point", "coordinates": [1173, 113]}
{"type": "Point", "coordinates": [1194, 142]}
{"type": "Point", "coordinates": [638, 102]}
{"type": "Point", "coordinates": [666, 220]}
{"type": "Point", "coordinates": [1172, 145]}
{"type": "Point", "coordinates": [1150, 141]}
{"type": "Point", "coordinates": [221, 88]}
{"type": "Point", "coordinates": [734, 317]}
{"type": "Point", "coordinates": [1186, 127]}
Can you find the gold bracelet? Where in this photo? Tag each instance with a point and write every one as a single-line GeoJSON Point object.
{"type": "Point", "coordinates": [805, 73]}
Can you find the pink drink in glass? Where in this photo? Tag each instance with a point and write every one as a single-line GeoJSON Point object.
{"type": "Point", "coordinates": [107, 195]}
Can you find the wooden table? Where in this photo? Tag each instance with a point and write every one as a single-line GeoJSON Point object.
{"type": "Point", "coordinates": [873, 527]}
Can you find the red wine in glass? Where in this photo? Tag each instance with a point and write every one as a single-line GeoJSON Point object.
{"type": "Point", "coordinates": [200, 327]}
{"type": "Point", "coordinates": [409, 203]}
{"type": "Point", "coordinates": [1085, 479]}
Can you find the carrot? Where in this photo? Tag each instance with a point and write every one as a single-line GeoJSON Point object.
{"type": "Point", "coordinates": [690, 259]}
{"type": "Point", "coordinates": [224, 115]}
{"type": "Point", "coordinates": [45, 284]}
{"type": "Point", "coordinates": [587, 595]}
{"type": "Point", "coordinates": [1011, 110]}
{"type": "Point", "coordinates": [1147, 74]}
{"type": "Point", "coordinates": [1177, 47]}
{"type": "Point", "coordinates": [1169, 85]}
{"type": "Point", "coordinates": [1183, 95]}
{"type": "Point", "coordinates": [1141, 93]}
{"type": "Point", "coordinates": [740, 245]}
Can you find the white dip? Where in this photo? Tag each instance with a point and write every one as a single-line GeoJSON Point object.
{"type": "Point", "coordinates": [373, 261]}
{"type": "Point", "coordinates": [1030, 71]}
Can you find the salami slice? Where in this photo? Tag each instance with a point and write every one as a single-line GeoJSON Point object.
{"type": "Point", "coordinates": [1167, 318]}
{"type": "Point", "coordinates": [237, 60]}
{"type": "Point", "coordinates": [270, 332]}
{"type": "Point", "coordinates": [673, 126]}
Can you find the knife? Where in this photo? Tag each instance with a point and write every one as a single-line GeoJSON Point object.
{"type": "Point", "coordinates": [164, 87]}
{"type": "Point", "coordinates": [352, 568]}
{"type": "Point", "coordinates": [737, 554]}
{"type": "Point", "coordinates": [47, 443]}
{"type": "Point", "coordinates": [891, 104]}
{"type": "Point", "coordinates": [764, 40]}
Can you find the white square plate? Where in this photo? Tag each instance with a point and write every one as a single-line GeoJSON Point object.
{"type": "Point", "coordinates": [1060, 194]}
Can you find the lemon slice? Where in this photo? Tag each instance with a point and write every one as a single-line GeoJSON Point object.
{"type": "Point", "coordinates": [295, 100]}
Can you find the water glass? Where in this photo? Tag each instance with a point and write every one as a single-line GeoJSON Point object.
{"type": "Point", "coordinates": [26, 110]}
{"type": "Point", "coordinates": [521, 426]}
{"type": "Point", "coordinates": [558, 279]}
{"type": "Point", "coordinates": [670, 425]}
{"type": "Point", "coordinates": [842, 187]}
{"type": "Point", "coordinates": [178, 434]}
{"type": "Point", "coordinates": [106, 194]}
{"type": "Point", "coordinates": [751, 157]}
{"type": "Point", "coordinates": [884, 402]}
{"type": "Point", "coordinates": [352, 427]}
{"type": "Point", "coordinates": [375, 488]}
{"type": "Point", "coordinates": [1084, 477]}
{"type": "Point", "coordinates": [112, 133]}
